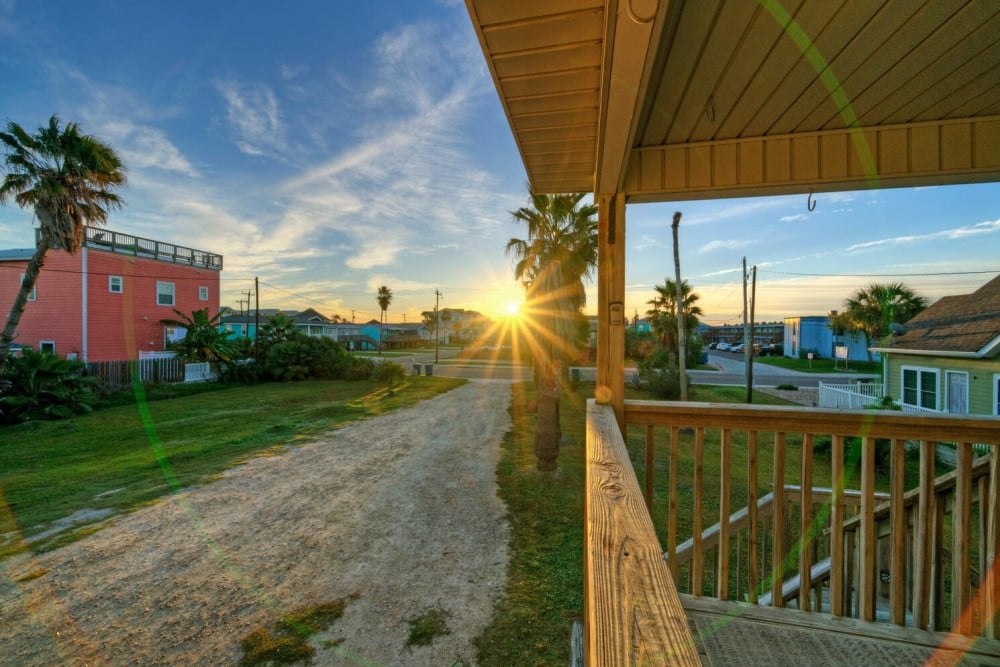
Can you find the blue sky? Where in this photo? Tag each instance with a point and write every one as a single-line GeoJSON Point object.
{"type": "Point", "coordinates": [330, 147]}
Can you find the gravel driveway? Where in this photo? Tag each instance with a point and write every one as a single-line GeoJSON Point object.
{"type": "Point", "coordinates": [399, 511]}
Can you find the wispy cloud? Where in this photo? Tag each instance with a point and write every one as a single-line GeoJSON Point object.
{"type": "Point", "coordinates": [724, 244]}
{"type": "Point", "coordinates": [987, 227]}
{"type": "Point", "coordinates": [252, 111]}
{"type": "Point", "coordinates": [798, 217]}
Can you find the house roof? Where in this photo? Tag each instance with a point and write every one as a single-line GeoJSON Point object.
{"type": "Point", "coordinates": [696, 99]}
{"type": "Point", "coordinates": [967, 324]}
{"type": "Point", "coordinates": [16, 254]}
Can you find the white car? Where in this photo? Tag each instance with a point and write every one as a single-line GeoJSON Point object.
{"type": "Point", "coordinates": [723, 346]}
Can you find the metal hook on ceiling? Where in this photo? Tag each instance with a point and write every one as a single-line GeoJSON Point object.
{"type": "Point", "coordinates": [810, 204]}
{"type": "Point", "coordinates": [710, 110]}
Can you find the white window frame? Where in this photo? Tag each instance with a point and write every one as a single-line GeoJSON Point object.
{"type": "Point", "coordinates": [202, 293]}
{"type": "Point", "coordinates": [114, 281]}
{"type": "Point", "coordinates": [173, 293]}
{"type": "Point", "coordinates": [43, 343]}
{"type": "Point", "coordinates": [34, 290]}
{"type": "Point", "coordinates": [920, 370]}
{"type": "Point", "coordinates": [996, 394]}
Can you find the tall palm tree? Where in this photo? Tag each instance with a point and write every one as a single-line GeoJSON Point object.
{"type": "Point", "coordinates": [69, 179]}
{"type": "Point", "coordinates": [552, 263]}
{"type": "Point", "coordinates": [663, 315]}
{"type": "Point", "coordinates": [384, 298]}
{"type": "Point", "coordinates": [874, 308]}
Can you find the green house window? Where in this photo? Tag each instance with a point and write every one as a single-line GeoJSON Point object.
{"type": "Point", "coordinates": [920, 388]}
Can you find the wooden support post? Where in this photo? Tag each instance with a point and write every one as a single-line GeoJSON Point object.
{"type": "Point", "coordinates": [611, 303]}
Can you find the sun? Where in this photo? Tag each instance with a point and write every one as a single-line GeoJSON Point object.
{"type": "Point", "coordinates": [512, 309]}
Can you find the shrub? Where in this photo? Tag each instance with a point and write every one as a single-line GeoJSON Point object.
{"type": "Point", "coordinates": [787, 387]}
{"type": "Point", "coordinates": [388, 373]}
{"type": "Point", "coordinates": [40, 385]}
{"type": "Point", "coordinates": [659, 375]}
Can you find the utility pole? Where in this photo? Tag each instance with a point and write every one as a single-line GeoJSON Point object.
{"type": "Point", "coordinates": [437, 323]}
{"type": "Point", "coordinates": [746, 337]}
{"type": "Point", "coordinates": [248, 294]}
{"type": "Point", "coordinates": [352, 316]}
{"type": "Point", "coordinates": [256, 309]}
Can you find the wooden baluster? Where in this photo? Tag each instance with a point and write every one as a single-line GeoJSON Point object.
{"type": "Point", "coordinates": [778, 536]}
{"type": "Point", "coordinates": [979, 594]}
{"type": "Point", "coordinates": [649, 468]}
{"type": "Point", "coordinates": [923, 529]}
{"type": "Point", "coordinates": [897, 535]}
{"type": "Point", "coordinates": [752, 525]}
{"type": "Point", "coordinates": [806, 523]}
{"type": "Point", "coordinates": [961, 613]}
{"type": "Point", "coordinates": [867, 538]}
{"type": "Point", "coordinates": [836, 526]}
{"type": "Point", "coordinates": [699, 473]}
{"type": "Point", "coordinates": [991, 575]}
{"type": "Point", "coordinates": [675, 472]}
{"type": "Point", "coordinates": [851, 574]}
{"type": "Point", "coordinates": [722, 571]}
{"type": "Point", "coordinates": [937, 564]}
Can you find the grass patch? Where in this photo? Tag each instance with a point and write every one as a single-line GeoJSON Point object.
{"type": "Point", "coordinates": [147, 450]}
{"type": "Point", "coordinates": [821, 365]}
{"type": "Point", "coordinates": [286, 641]}
{"type": "Point", "coordinates": [426, 626]}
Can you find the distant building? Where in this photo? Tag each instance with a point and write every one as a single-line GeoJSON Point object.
{"type": "Point", "coordinates": [812, 333]}
{"type": "Point", "coordinates": [764, 333]}
{"type": "Point", "coordinates": [108, 301]}
{"type": "Point", "coordinates": [457, 325]}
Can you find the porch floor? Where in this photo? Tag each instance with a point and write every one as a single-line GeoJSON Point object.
{"type": "Point", "coordinates": [734, 634]}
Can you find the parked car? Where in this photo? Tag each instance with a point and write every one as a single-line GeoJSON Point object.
{"type": "Point", "coordinates": [771, 350]}
{"type": "Point", "coordinates": [737, 348]}
{"type": "Point", "coordinates": [723, 346]}
{"type": "Point", "coordinates": [711, 346]}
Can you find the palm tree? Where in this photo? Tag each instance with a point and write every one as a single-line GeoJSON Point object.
{"type": "Point", "coordinates": [384, 298]}
{"type": "Point", "coordinates": [552, 263]}
{"type": "Point", "coordinates": [663, 315]}
{"type": "Point", "coordinates": [203, 340]}
{"type": "Point", "coordinates": [874, 308]}
{"type": "Point", "coordinates": [69, 179]}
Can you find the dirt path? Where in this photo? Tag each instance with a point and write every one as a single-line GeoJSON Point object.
{"type": "Point", "coordinates": [400, 511]}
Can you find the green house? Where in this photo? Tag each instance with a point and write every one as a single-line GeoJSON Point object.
{"type": "Point", "coordinates": [947, 358]}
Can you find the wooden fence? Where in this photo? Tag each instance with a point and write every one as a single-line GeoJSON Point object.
{"type": "Point", "coordinates": [120, 373]}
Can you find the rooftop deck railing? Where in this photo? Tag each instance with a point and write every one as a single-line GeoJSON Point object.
{"type": "Point", "coordinates": [107, 240]}
{"type": "Point", "coordinates": [908, 545]}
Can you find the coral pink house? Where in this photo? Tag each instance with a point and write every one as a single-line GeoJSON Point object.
{"type": "Point", "coordinates": [107, 302]}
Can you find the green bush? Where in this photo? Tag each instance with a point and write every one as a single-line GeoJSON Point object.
{"type": "Point", "coordinates": [388, 373]}
{"type": "Point", "coordinates": [659, 375]}
{"type": "Point", "coordinates": [39, 385]}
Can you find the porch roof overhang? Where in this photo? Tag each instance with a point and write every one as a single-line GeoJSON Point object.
{"type": "Point", "coordinates": [669, 101]}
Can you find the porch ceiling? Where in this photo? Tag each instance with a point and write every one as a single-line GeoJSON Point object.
{"type": "Point", "coordinates": [715, 98]}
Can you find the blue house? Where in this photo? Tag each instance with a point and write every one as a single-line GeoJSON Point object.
{"type": "Point", "coordinates": [812, 333]}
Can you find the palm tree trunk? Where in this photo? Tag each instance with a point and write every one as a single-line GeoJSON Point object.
{"type": "Point", "coordinates": [681, 329]}
{"type": "Point", "coordinates": [31, 274]}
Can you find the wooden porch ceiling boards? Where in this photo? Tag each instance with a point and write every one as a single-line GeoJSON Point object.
{"type": "Point", "coordinates": [715, 98]}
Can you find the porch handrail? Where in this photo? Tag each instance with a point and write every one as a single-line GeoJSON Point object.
{"type": "Point", "coordinates": [857, 565]}
{"type": "Point", "coordinates": [632, 611]}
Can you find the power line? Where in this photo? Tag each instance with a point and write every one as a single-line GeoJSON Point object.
{"type": "Point", "coordinates": [882, 275]}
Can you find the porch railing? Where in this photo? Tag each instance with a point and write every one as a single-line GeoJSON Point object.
{"type": "Point", "coordinates": [850, 396]}
{"type": "Point", "coordinates": [902, 547]}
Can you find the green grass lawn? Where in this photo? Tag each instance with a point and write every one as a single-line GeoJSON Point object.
{"type": "Point", "coordinates": [822, 365]}
{"type": "Point", "coordinates": [119, 458]}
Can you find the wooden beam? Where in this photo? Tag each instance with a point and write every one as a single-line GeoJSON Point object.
{"type": "Point", "coordinates": [633, 613]}
{"type": "Point", "coordinates": [631, 39]}
{"type": "Point", "coordinates": [610, 388]}
{"type": "Point", "coordinates": [929, 153]}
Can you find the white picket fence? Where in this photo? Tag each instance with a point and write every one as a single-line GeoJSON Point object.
{"type": "Point", "coordinates": [199, 372]}
{"type": "Point", "coordinates": [850, 396]}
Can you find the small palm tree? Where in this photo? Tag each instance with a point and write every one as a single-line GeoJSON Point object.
{"type": "Point", "coordinates": [384, 298]}
{"type": "Point", "coordinates": [874, 308]}
{"type": "Point", "coordinates": [663, 315]}
{"type": "Point", "coordinates": [69, 180]}
{"type": "Point", "coordinates": [203, 340]}
{"type": "Point", "coordinates": [552, 264]}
